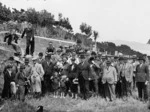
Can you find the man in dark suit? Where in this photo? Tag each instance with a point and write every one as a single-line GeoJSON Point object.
{"type": "Point", "coordinates": [8, 78]}
{"type": "Point", "coordinates": [29, 39]}
{"type": "Point", "coordinates": [84, 77]}
{"type": "Point", "coordinates": [72, 75]}
{"type": "Point", "coordinates": [48, 67]}
{"type": "Point", "coordinates": [94, 75]}
{"type": "Point", "coordinates": [142, 78]}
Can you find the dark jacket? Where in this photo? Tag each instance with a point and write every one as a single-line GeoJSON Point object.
{"type": "Point", "coordinates": [29, 34]}
{"type": "Point", "coordinates": [73, 73]}
{"type": "Point", "coordinates": [84, 70]}
{"type": "Point", "coordinates": [48, 69]}
{"type": "Point", "coordinates": [6, 93]}
{"type": "Point", "coordinates": [142, 73]}
{"type": "Point", "coordinates": [11, 37]}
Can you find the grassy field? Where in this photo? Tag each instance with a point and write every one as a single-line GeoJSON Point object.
{"type": "Point", "coordinates": [70, 105]}
{"type": "Point", "coordinates": [94, 104]}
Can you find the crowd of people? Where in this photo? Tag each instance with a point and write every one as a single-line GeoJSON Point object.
{"type": "Point", "coordinates": [75, 72]}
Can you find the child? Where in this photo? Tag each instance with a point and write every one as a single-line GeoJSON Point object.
{"type": "Point", "coordinates": [75, 88]}
{"type": "Point", "coordinates": [55, 84]}
{"type": "Point", "coordinates": [63, 85]}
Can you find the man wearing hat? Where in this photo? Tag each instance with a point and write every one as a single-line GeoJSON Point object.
{"type": "Point", "coordinates": [50, 48]}
{"type": "Point", "coordinates": [29, 39]}
{"type": "Point", "coordinates": [72, 75]}
{"type": "Point", "coordinates": [84, 77]}
{"type": "Point", "coordinates": [21, 82]}
{"type": "Point", "coordinates": [40, 59]}
{"type": "Point", "coordinates": [37, 77]}
{"type": "Point", "coordinates": [27, 73]}
{"type": "Point", "coordinates": [109, 80]}
{"type": "Point", "coordinates": [126, 75]}
{"type": "Point", "coordinates": [48, 67]}
{"type": "Point", "coordinates": [8, 78]}
{"type": "Point", "coordinates": [142, 79]}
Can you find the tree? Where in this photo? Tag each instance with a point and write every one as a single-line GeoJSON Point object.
{"type": "Point", "coordinates": [87, 29]}
{"type": "Point", "coordinates": [32, 16]}
{"type": "Point", "coordinates": [45, 18]}
{"type": "Point", "coordinates": [95, 34]}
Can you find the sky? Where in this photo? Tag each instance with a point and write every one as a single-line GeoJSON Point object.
{"type": "Point", "coordinates": [114, 19]}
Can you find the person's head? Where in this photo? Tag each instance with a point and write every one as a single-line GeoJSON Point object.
{"type": "Point", "coordinates": [29, 25]}
{"type": "Point", "coordinates": [48, 57]}
{"type": "Point", "coordinates": [9, 67]}
{"type": "Point", "coordinates": [82, 57]}
{"type": "Point", "coordinates": [59, 51]}
{"type": "Point", "coordinates": [34, 60]}
{"type": "Point", "coordinates": [26, 61]}
{"type": "Point", "coordinates": [50, 44]}
{"type": "Point", "coordinates": [22, 67]}
{"type": "Point", "coordinates": [108, 63]}
{"type": "Point", "coordinates": [121, 60]}
{"type": "Point", "coordinates": [40, 55]}
{"type": "Point", "coordinates": [73, 60]}
{"type": "Point", "coordinates": [93, 54]}
{"type": "Point", "coordinates": [64, 59]}
{"type": "Point", "coordinates": [141, 60]}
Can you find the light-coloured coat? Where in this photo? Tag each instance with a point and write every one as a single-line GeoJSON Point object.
{"type": "Point", "coordinates": [109, 75]}
{"type": "Point", "coordinates": [127, 72]}
{"type": "Point", "coordinates": [37, 77]}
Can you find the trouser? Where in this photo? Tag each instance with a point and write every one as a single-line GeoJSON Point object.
{"type": "Point", "coordinates": [47, 84]}
{"type": "Point", "coordinates": [109, 91]}
{"type": "Point", "coordinates": [129, 87]}
{"type": "Point", "coordinates": [94, 86]}
{"type": "Point", "coordinates": [123, 86]}
{"type": "Point", "coordinates": [101, 87]}
{"type": "Point", "coordinates": [142, 90]}
{"type": "Point", "coordinates": [21, 93]}
{"type": "Point", "coordinates": [84, 87]}
{"type": "Point", "coordinates": [30, 47]}
{"type": "Point", "coordinates": [118, 89]}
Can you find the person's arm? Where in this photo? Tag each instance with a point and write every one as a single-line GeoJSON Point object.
{"type": "Point", "coordinates": [147, 73]}
{"type": "Point", "coordinates": [115, 75]}
{"type": "Point", "coordinates": [23, 33]}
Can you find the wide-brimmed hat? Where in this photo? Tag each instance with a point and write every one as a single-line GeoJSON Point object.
{"type": "Point", "coordinates": [108, 62]}
{"type": "Point", "coordinates": [82, 56]}
{"type": "Point", "coordinates": [34, 58]}
{"type": "Point", "coordinates": [17, 59]}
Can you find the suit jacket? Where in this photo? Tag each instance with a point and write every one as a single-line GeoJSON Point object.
{"type": "Point", "coordinates": [8, 78]}
{"type": "Point", "coordinates": [40, 61]}
{"type": "Point", "coordinates": [142, 73]}
{"type": "Point", "coordinates": [84, 70]}
{"type": "Point", "coordinates": [109, 75]}
{"type": "Point", "coordinates": [73, 73]}
{"type": "Point", "coordinates": [37, 70]}
{"type": "Point", "coordinates": [48, 69]}
{"type": "Point", "coordinates": [127, 72]}
{"type": "Point", "coordinates": [29, 34]}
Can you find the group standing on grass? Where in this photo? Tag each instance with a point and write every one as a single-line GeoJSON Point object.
{"type": "Point", "coordinates": [73, 71]}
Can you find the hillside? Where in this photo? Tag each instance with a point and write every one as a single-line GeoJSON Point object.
{"type": "Point", "coordinates": [143, 48]}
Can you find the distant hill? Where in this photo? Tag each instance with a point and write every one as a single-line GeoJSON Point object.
{"type": "Point", "coordinates": [143, 48]}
